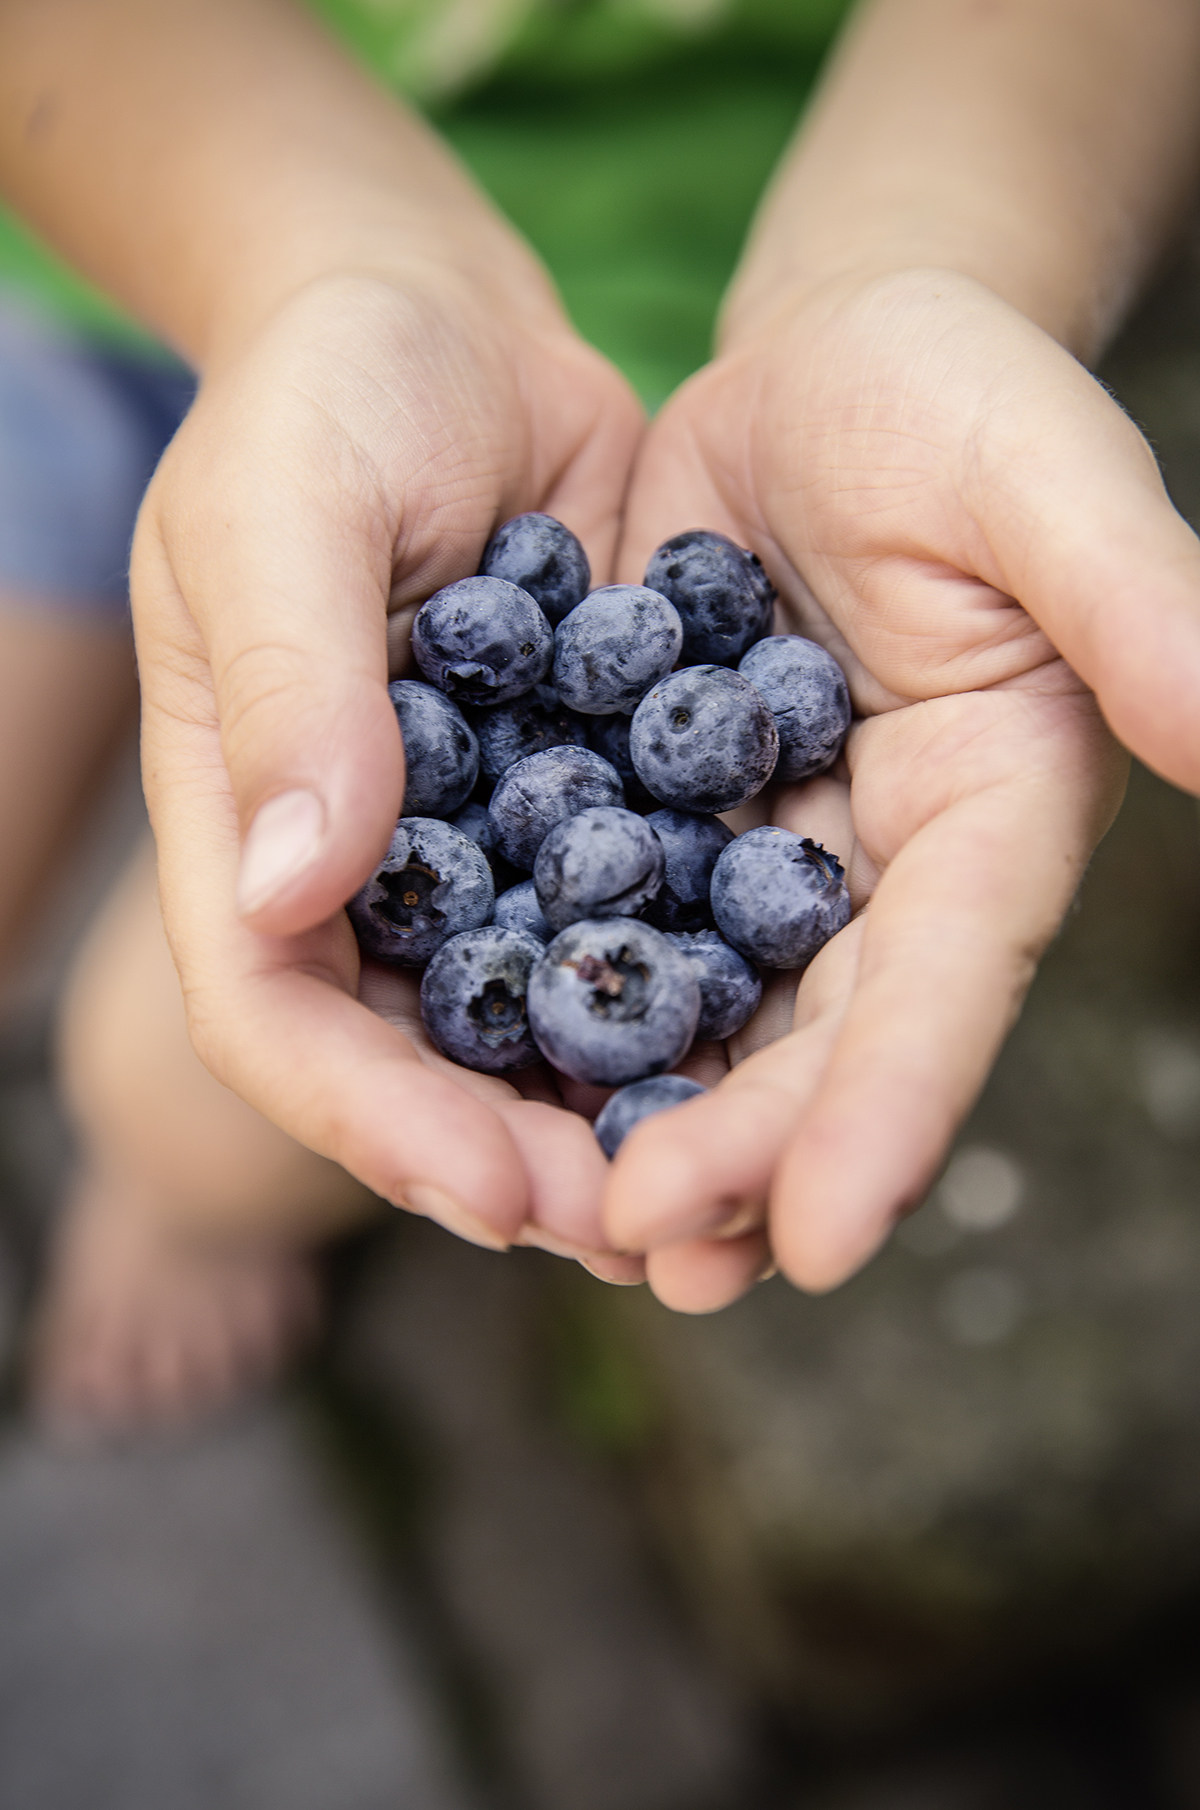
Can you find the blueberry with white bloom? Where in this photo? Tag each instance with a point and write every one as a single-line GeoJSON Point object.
{"type": "Point", "coordinates": [518, 909]}
{"type": "Point", "coordinates": [808, 697]}
{"type": "Point", "coordinates": [542, 556]}
{"type": "Point", "coordinates": [611, 1002]}
{"type": "Point", "coordinates": [691, 843]}
{"type": "Point", "coordinates": [482, 641]}
{"type": "Point", "coordinates": [526, 726]}
{"type": "Point", "coordinates": [473, 821]}
{"type": "Point", "coordinates": [473, 999]}
{"type": "Point", "coordinates": [441, 754]}
{"type": "Point", "coordinates": [630, 1105]}
{"type": "Point", "coordinates": [724, 598]}
{"type": "Point", "coordinates": [539, 791]}
{"type": "Point", "coordinates": [432, 883]}
{"type": "Point", "coordinates": [601, 863]}
{"type": "Point", "coordinates": [704, 739]}
{"type": "Point", "coordinates": [778, 898]}
{"type": "Point", "coordinates": [730, 989]}
{"type": "Point", "coordinates": [613, 646]}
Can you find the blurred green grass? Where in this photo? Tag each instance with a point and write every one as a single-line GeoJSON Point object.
{"type": "Point", "coordinates": [637, 193]}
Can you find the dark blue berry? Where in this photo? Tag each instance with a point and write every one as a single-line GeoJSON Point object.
{"type": "Point", "coordinates": [473, 821]}
{"type": "Point", "coordinates": [724, 598]}
{"type": "Point", "coordinates": [613, 646]}
{"type": "Point", "coordinates": [704, 740]}
{"type": "Point", "coordinates": [611, 1002]}
{"type": "Point", "coordinates": [778, 898]}
{"type": "Point", "coordinates": [432, 883]}
{"type": "Point", "coordinates": [630, 1105]}
{"type": "Point", "coordinates": [441, 755]}
{"type": "Point", "coordinates": [473, 999]}
{"type": "Point", "coordinates": [609, 737]}
{"type": "Point", "coordinates": [544, 558]}
{"type": "Point", "coordinates": [539, 791]}
{"type": "Point", "coordinates": [807, 693]}
{"type": "Point", "coordinates": [482, 641]}
{"type": "Point", "coordinates": [730, 989]}
{"type": "Point", "coordinates": [518, 909]}
{"type": "Point", "coordinates": [526, 726]}
{"type": "Point", "coordinates": [691, 844]}
{"type": "Point", "coordinates": [601, 863]}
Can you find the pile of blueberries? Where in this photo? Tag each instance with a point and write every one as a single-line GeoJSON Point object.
{"type": "Point", "coordinates": [560, 869]}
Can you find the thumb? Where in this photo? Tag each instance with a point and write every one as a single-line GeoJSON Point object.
{"type": "Point", "coordinates": [265, 613]}
{"type": "Point", "coordinates": [1087, 538]}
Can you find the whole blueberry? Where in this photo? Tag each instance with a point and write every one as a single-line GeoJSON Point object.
{"type": "Point", "coordinates": [630, 1105]}
{"type": "Point", "coordinates": [808, 697]}
{"type": "Point", "coordinates": [611, 1001]}
{"type": "Point", "coordinates": [544, 558]}
{"type": "Point", "coordinates": [608, 736]}
{"type": "Point", "coordinates": [601, 863]}
{"type": "Point", "coordinates": [778, 898]}
{"type": "Point", "coordinates": [704, 740]}
{"type": "Point", "coordinates": [432, 883]}
{"type": "Point", "coordinates": [724, 598]}
{"type": "Point", "coordinates": [539, 791]}
{"type": "Point", "coordinates": [612, 648]}
{"type": "Point", "coordinates": [473, 999]}
{"type": "Point", "coordinates": [441, 755]}
{"type": "Point", "coordinates": [526, 726]}
{"type": "Point", "coordinates": [730, 989]}
{"type": "Point", "coordinates": [691, 844]}
{"type": "Point", "coordinates": [518, 909]}
{"type": "Point", "coordinates": [482, 640]}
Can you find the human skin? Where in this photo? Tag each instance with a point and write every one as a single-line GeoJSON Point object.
{"type": "Point", "coordinates": [899, 422]}
{"type": "Point", "coordinates": [892, 421]}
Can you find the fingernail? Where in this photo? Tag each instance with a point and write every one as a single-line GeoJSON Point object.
{"type": "Point", "coordinates": [727, 1218]}
{"type": "Point", "coordinates": [283, 840]}
{"type": "Point", "coordinates": [432, 1203]}
{"type": "Point", "coordinates": [772, 1269]}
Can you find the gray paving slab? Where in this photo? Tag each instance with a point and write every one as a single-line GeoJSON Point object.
{"type": "Point", "coordinates": [604, 1699]}
{"type": "Point", "coordinates": [186, 1625]}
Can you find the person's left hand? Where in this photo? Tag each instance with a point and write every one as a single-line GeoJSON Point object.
{"type": "Point", "coordinates": [956, 509]}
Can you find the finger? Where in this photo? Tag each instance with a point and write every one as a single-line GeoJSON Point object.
{"type": "Point", "coordinates": [707, 1164]}
{"type": "Point", "coordinates": [1107, 567]}
{"type": "Point", "coordinates": [708, 1274]}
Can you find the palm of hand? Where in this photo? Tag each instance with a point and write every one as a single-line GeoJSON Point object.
{"type": "Point", "coordinates": [884, 456]}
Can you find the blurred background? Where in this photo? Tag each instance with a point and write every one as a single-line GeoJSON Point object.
{"type": "Point", "coordinates": [516, 1541]}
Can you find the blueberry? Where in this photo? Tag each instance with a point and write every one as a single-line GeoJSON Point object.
{"type": "Point", "coordinates": [611, 1001]}
{"type": "Point", "coordinates": [723, 596]}
{"type": "Point", "coordinates": [473, 999]}
{"type": "Point", "coordinates": [441, 754]}
{"type": "Point", "coordinates": [808, 696]}
{"type": "Point", "coordinates": [704, 740]}
{"type": "Point", "coordinates": [482, 640]}
{"type": "Point", "coordinates": [473, 821]}
{"type": "Point", "coordinates": [730, 989]}
{"type": "Point", "coordinates": [544, 558]}
{"type": "Point", "coordinates": [691, 844]}
{"type": "Point", "coordinates": [526, 726]}
{"type": "Point", "coordinates": [432, 883]}
{"type": "Point", "coordinates": [518, 909]}
{"type": "Point", "coordinates": [601, 863]}
{"type": "Point", "coordinates": [608, 736]}
{"type": "Point", "coordinates": [613, 646]}
{"type": "Point", "coordinates": [630, 1105]}
{"type": "Point", "coordinates": [539, 791]}
{"type": "Point", "coordinates": [778, 898]}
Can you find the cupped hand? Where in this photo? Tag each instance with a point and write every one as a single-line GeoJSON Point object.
{"type": "Point", "coordinates": [347, 461]}
{"type": "Point", "coordinates": [953, 506]}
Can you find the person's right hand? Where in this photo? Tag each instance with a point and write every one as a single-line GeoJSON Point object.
{"type": "Point", "coordinates": [350, 459]}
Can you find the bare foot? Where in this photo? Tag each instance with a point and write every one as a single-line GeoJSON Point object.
{"type": "Point", "coordinates": [141, 1327]}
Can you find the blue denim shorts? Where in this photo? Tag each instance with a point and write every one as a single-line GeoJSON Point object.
{"type": "Point", "coordinates": [82, 427]}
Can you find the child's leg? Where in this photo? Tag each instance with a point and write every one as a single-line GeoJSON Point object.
{"type": "Point", "coordinates": [180, 1272]}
